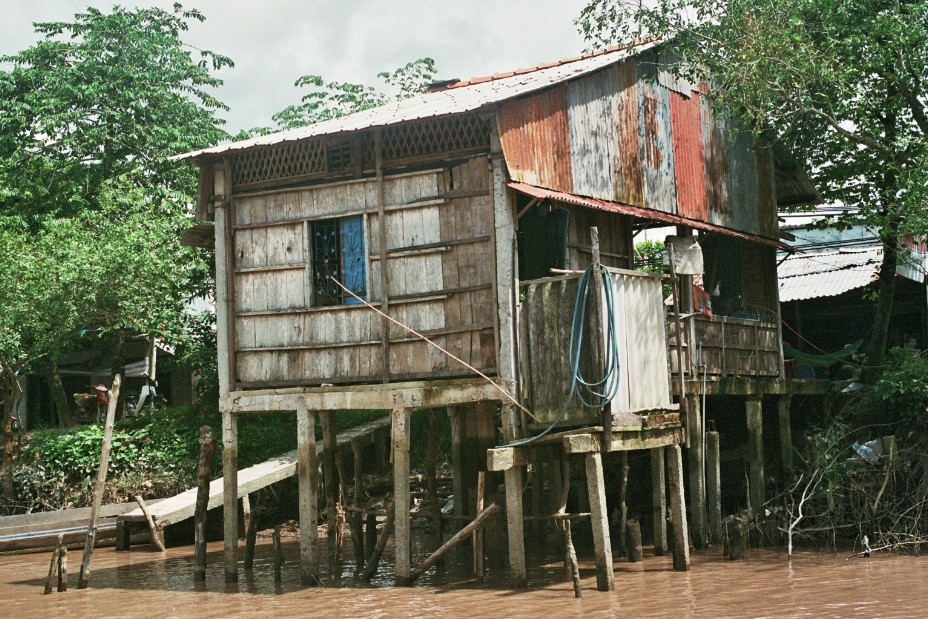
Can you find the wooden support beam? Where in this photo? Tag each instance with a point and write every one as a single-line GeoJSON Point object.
{"type": "Point", "coordinates": [330, 476]}
{"type": "Point", "coordinates": [152, 527]}
{"type": "Point", "coordinates": [435, 525]}
{"type": "Point", "coordinates": [388, 528]}
{"type": "Point", "coordinates": [458, 537]}
{"type": "Point", "coordinates": [570, 557]}
{"type": "Point", "coordinates": [356, 518]}
{"type": "Point", "coordinates": [602, 545]}
{"type": "Point", "coordinates": [54, 566]}
{"type": "Point", "coordinates": [624, 441]}
{"type": "Point", "coordinates": [786, 435]}
{"type": "Point", "coordinates": [755, 423]}
{"type": "Point", "coordinates": [401, 419]}
{"type": "Point", "coordinates": [517, 573]}
{"type": "Point", "coordinates": [251, 535]}
{"type": "Point", "coordinates": [230, 495]}
{"type": "Point", "coordinates": [713, 487]}
{"type": "Point", "coordinates": [63, 569]}
{"type": "Point", "coordinates": [455, 414]}
{"type": "Point", "coordinates": [633, 541]}
{"type": "Point", "coordinates": [681, 543]}
{"type": "Point", "coordinates": [659, 501]}
{"type": "Point", "coordinates": [278, 554]}
{"type": "Point", "coordinates": [695, 456]}
{"type": "Point", "coordinates": [204, 473]}
{"type": "Point", "coordinates": [308, 491]}
{"type": "Point", "coordinates": [478, 532]}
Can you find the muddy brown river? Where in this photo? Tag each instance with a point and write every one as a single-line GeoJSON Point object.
{"type": "Point", "coordinates": [141, 583]}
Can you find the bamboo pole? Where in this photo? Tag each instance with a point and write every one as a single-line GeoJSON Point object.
{"type": "Point", "coordinates": [53, 566]}
{"type": "Point", "coordinates": [63, 568]}
{"type": "Point", "coordinates": [374, 559]}
{"type": "Point", "coordinates": [570, 556]}
{"type": "Point", "coordinates": [113, 397]}
{"type": "Point", "coordinates": [152, 527]}
{"type": "Point", "coordinates": [458, 537]}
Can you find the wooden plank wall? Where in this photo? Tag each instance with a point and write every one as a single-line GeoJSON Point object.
{"type": "Point", "coordinates": [733, 346]}
{"type": "Point", "coordinates": [441, 267]}
{"type": "Point", "coordinates": [615, 238]}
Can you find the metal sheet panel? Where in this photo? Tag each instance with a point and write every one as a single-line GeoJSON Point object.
{"type": "Point", "coordinates": [689, 156]}
{"type": "Point", "coordinates": [589, 116]}
{"type": "Point", "coordinates": [660, 193]}
{"type": "Point", "coordinates": [717, 172]}
{"type": "Point", "coordinates": [742, 181]}
{"type": "Point", "coordinates": [628, 177]}
{"type": "Point", "coordinates": [766, 192]}
{"type": "Point", "coordinates": [536, 139]}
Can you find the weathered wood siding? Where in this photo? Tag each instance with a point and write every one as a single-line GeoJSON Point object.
{"type": "Point", "coordinates": [440, 261]}
{"type": "Point", "coordinates": [639, 322]}
{"type": "Point", "coordinates": [635, 134]}
{"type": "Point", "coordinates": [733, 346]}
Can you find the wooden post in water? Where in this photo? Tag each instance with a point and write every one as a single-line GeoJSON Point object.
{"type": "Point", "coordinates": [113, 398]}
{"type": "Point", "coordinates": [633, 541]}
{"type": "Point", "coordinates": [432, 484]}
{"type": "Point", "coordinates": [681, 544]}
{"type": "Point", "coordinates": [230, 495]}
{"type": "Point", "coordinates": [659, 500]}
{"type": "Point", "coordinates": [63, 568]}
{"type": "Point", "coordinates": [695, 456]}
{"type": "Point", "coordinates": [204, 473]}
{"type": "Point", "coordinates": [456, 415]}
{"type": "Point", "coordinates": [570, 555]}
{"type": "Point", "coordinates": [356, 518]}
{"type": "Point", "coordinates": [401, 418]}
{"type": "Point", "coordinates": [755, 422]}
{"type": "Point", "coordinates": [54, 566]}
{"type": "Point", "coordinates": [278, 553]}
{"type": "Point", "coordinates": [517, 573]}
{"type": "Point", "coordinates": [786, 435]}
{"type": "Point", "coordinates": [599, 519]}
{"type": "Point", "coordinates": [388, 528]}
{"type": "Point", "coordinates": [370, 534]}
{"type": "Point", "coordinates": [329, 444]}
{"type": "Point", "coordinates": [340, 510]}
{"type": "Point", "coordinates": [623, 501]}
{"type": "Point", "coordinates": [458, 537]}
{"type": "Point", "coordinates": [308, 483]}
{"type": "Point", "coordinates": [478, 532]}
{"type": "Point", "coordinates": [251, 535]}
{"type": "Point", "coordinates": [714, 486]}
{"type": "Point", "coordinates": [153, 529]}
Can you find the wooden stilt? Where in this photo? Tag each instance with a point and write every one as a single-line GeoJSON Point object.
{"type": "Point", "coordinates": [63, 569]}
{"type": "Point", "coordinates": [695, 456]}
{"type": "Point", "coordinates": [571, 559]}
{"type": "Point", "coordinates": [623, 501]}
{"type": "Point", "coordinates": [633, 541]}
{"type": "Point", "coordinates": [755, 422]}
{"type": "Point", "coordinates": [370, 534]}
{"type": "Point", "coordinates": [659, 500]}
{"type": "Point", "coordinates": [230, 495]}
{"type": "Point", "coordinates": [330, 477]}
{"type": "Point", "coordinates": [388, 528]}
{"type": "Point", "coordinates": [458, 537]}
{"type": "Point", "coordinates": [401, 418]}
{"type": "Point", "coordinates": [53, 567]}
{"type": "Point", "coordinates": [713, 487]}
{"type": "Point", "coordinates": [278, 553]}
{"type": "Point", "coordinates": [432, 484]}
{"type": "Point", "coordinates": [245, 521]}
{"type": "Point", "coordinates": [340, 511]}
{"type": "Point", "coordinates": [251, 534]}
{"type": "Point", "coordinates": [478, 532]}
{"type": "Point", "coordinates": [123, 536]}
{"type": "Point", "coordinates": [456, 416]}
{"type": "Point", "coordinates": [356, 519]}
{"type": "Point", "coordinates": [308, 482]}
{"type": "Point", "coordinates": [517, 573]}
{"type": "Point", "coordinates": [113, 398]}
{"type": "Point", "coordinates": [602, 546]}
{"type": "Point", "coordinates": [204, 473]}
{"type": "Point", "coordinates": [681, 545]}
{"type": "Point", "coordinates": [786, 435]}
{"type": "Point", "coordinates": [156, 539]}
{"type": "Point", "coordinates": [554, 475]}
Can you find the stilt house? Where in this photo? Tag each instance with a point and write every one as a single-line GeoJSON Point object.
{"type": "Point", "coordinates": [465, 214]}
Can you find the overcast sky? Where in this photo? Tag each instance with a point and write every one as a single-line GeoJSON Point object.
{"type": "Point", "coordinates": [273, 42]}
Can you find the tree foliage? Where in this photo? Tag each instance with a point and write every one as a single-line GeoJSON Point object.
{"type": "Point", "coordinates": [839, 82]}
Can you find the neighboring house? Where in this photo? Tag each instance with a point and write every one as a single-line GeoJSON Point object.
{"type": "Point", "coordinates": [465, 213]}
{"type": "Point", "coordinates": [827, 288]}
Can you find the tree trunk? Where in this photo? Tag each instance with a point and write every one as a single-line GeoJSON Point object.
{"type": "Point", "coordinates": [59, 397]}
{"type": "Point", "coordinates": [11, 394]}
{"type": "Point", "coordinates": [886, 291]}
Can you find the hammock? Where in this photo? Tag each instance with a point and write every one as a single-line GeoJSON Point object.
{"type": "Point", "coordinates": [822, 361]}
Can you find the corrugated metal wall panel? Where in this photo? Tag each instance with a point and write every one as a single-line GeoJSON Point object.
{"type": "Point", "coordinates": [660, 192]}
{"type": "Point", "coordinates": [766, 192]}
{"type": "Point", "coordinates": [717, 173]}
{"type": "Point", "coordinates": [536, 139]}
{"type": "Point", "coordinates": [742, 182]}
{"type": "Point", "coordinates": [628, 177]}
{"type": "Point", "coordinates": [589, 116]}
{"type": "Point", "coordinates": [688, 156]}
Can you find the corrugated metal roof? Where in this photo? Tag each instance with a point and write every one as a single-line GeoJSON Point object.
{"type": "Point", "coordinates": [637, 211]}
{"type": "Point", "coordinates": [812, 276]}
{"type": "Point", "coordinates": [456, 98]}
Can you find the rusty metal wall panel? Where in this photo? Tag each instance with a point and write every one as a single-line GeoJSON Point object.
{"type": "Point", "coordinates": [660, 192]}
{"type": "Point", "coordinates": [589, 116]}
{"type": "Point", "coordinates": [628, 174]}
{"type": "Point", "coordinates": [689, 156]}
{"type": "Point", "coordinates": [766, 192]}
{"type": "Point", "coordinates": [717, 171]}
{"type": "Point", "coordinates": [742, 181]}
{"type": "Point", "coordinates": [536, 139]}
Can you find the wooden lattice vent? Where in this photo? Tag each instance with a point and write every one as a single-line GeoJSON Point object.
{"type": "Point", "coordinates": [435, 136]}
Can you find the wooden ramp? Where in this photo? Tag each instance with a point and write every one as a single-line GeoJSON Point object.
{"type": "Point", "coordinates": [181, 507]}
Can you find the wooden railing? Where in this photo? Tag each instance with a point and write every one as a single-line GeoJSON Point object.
{"type": "Point", "coordinates": [731, 346]}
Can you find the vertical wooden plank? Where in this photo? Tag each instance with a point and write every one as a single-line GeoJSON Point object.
{"type": "Point", "coordinates": [697, 502]}
{"type": "Point", "coordinates": [786, 435]}
{"type": "Point", "coordinates": [517, 573]}
{"type": "Point", "coordinates": [755, 422]}
{"type": "Point", "coordinates": [659, 500]}
{"type": "Point", "coordinates": [308, 491]}
{"type": "Point", "coordinates": [506, 277]}
{"type": "Point", "coordinates": [230, 494]}
{"type": "Point", "coordinates": [599, 519]}
{"type": "Point", "coordinates": [401, 419]}
{"type": "Point", "coordinates": [714, 487]}
{"type": "Point", "coordinates": [681, 544]}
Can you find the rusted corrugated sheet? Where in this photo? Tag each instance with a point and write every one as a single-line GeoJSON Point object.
{"type": "Point", "coordinates": [742, 181]}
{"type": "Point", "coordinates": [766, 191]}
{"type": "Point", "coordinates": [536, 139]}
{"type": "Point", "coordinates": [717, 174]}
{"type": "Point", "coordinates": [628, 174]}
{"type": "Point", "coordinates": [589, 116]}
{"type": "Point", "coordinates": [688, 156]}
{"type": "Point", "coordinates": [660, 193]}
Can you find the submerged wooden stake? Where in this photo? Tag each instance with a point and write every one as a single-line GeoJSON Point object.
{"type": "Point", "coordinates": [63, 568]}
{"type": "Point", "coordinates": [278, 553]}
{"type": "Point", "coordinates": [478, 534]}
{"type": "Point", "coordinates": [570, 556]}
{"type": "Point", "coordinates": [251, 535]}
{"type": "Point", "coordinates": [204, 472]}
{"type": "Point", "coordinates": [53, 566]}
{"type": "Point", "coordinates": [633, 541]}
{"type": "Point", "coordinates": [152, 527]}
{"type": "Point", "coordinates": [113, 395]}
{"type": "Point", "coordinates": [472, 527]}
{"type": "Point", "coordinates": [374, 559]}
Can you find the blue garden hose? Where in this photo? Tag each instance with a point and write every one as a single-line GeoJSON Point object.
{"type": "Point", "coordinates": [599, 393]}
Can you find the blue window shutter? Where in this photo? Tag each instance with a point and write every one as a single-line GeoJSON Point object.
{"type": "Point", "coordinates": [352, 247]}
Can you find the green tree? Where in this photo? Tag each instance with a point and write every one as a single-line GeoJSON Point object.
{"type": "Point", "coordinates": [839, 83]}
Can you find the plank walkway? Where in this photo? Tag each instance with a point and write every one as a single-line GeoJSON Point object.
{"type": "Point", "coordinates": [181, 507]}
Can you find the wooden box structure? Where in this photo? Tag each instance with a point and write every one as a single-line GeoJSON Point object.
{"type": "Point", "coordinates": [447, 212]}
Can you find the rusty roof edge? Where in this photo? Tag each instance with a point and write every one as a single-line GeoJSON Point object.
{"type": "Point", "coordinates": [643, 212]}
